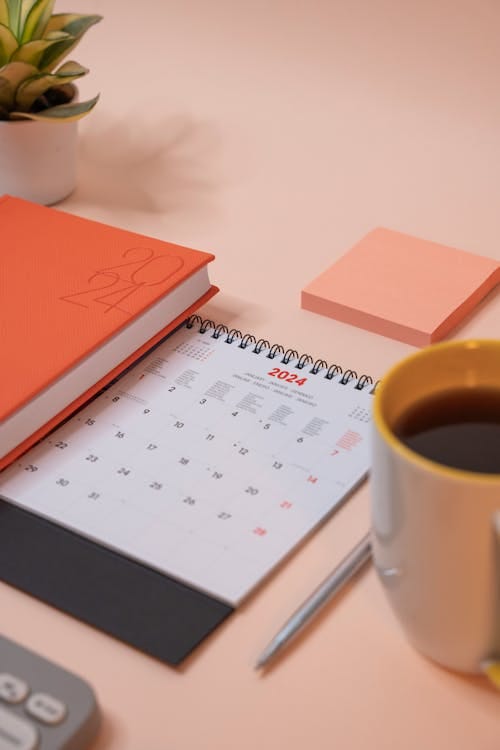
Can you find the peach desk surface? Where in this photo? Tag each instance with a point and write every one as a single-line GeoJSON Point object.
{"type": "Point", "coordinates": [276, 135]}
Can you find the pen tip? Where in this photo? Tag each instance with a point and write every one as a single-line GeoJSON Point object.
{"type": "Point", "coordinates": [261, 662]}
{"type": "Point", "coordinates": [267, 654]}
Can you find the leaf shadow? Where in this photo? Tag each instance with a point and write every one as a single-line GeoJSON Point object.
{"type": "Point", "coordinates": [163, 166]}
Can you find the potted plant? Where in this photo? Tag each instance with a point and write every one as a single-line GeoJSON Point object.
{"type": "Point", "coordinates": [39, 106]}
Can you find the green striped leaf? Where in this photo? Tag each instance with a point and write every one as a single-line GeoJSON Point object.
{"type": "Point", "coordinates": [75, 24]}
{"type": "Point", "coordinates": [32, 52]}
{"type": "Point", "coordinates": [6, 95]}
{"type": "Point", "coordinates": [26, 6]}
{"type": "Point", "coordinates": [15, 17]}
{"type": "Point", "coordinates": [34, 87]}
{"type": "Point", "coordinates": [71, 68]}
{"type": "Point", "coordinates": [37, 19]}
{"type": "Point", "coordinates": [56, 35]}
{"type": "Point", "coordinates": [8, 44]}
{"type": "Point", "coordinates": [13, 74]}
{"type": "Point", "coordinates": [61, 113]}
{"type": "Point", "coordinates": [4, 12]}
{"type": "Point", "coordinates": [17, 72]}
{"type": "Point", "coordinates": [57, 51]}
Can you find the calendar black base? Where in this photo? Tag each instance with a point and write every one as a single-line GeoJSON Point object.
{"type": "Point", "coordinates": [123, 598]}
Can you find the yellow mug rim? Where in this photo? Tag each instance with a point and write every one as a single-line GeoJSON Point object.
{"type": "Point", "coordinates": [396, 444]}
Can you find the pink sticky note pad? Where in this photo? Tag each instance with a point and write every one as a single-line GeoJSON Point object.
{"type": "Point", "coordinates": [402, 287]}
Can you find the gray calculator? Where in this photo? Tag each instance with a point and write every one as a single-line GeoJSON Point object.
{"type": "Point", "coordinates": [42, 705]}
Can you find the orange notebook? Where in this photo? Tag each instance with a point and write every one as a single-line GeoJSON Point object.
{"type": "Point", "coordinates": [79, 302]}
{"type": "Point", "coordinates": [402, 287]}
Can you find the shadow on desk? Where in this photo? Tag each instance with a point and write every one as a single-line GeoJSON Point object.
{"type": "Point", "coordinates": [161, 166]}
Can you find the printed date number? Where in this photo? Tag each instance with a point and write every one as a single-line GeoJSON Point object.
{"type": "Point", "coordinates": [288, 377]}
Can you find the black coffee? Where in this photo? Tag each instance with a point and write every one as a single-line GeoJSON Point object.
{"type": "Point", "coordinates": [459, 428]}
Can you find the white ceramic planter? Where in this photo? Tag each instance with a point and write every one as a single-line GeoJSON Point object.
{"type": "Point", "coordinates": [38, 159]}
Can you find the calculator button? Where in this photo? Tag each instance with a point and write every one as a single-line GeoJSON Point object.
{"type": "Point", "coordinates": [16, 733]}
{"type": "Point", "coordinates": [12, 689]}
{"type": "Point", "coordinates": [45, 708]}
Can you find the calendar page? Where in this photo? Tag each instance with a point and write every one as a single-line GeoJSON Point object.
{"type": "Point", "coordinates": [209, 460]}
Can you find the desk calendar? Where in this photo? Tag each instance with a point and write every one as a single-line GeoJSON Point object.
{"type": "Point", "coordinates": [208, 461]}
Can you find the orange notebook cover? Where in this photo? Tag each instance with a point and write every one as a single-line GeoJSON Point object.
{"type": "Point", "coordinates": [402, 287]}
{"type": "Point", "coordinates": [70, 289]}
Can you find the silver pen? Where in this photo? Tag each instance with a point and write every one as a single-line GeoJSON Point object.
{"type": "Point", "coordinates": [345, 570]}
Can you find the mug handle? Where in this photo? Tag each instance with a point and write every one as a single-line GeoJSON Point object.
{"type": "Point", "coordinates": [491, 665]}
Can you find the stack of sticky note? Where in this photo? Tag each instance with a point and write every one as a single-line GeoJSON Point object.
{"type": "Point", "coordinates": [403, 287]}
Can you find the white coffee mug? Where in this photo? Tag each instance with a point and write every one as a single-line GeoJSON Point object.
{"type": "Point", "coordinates": [436, 529]}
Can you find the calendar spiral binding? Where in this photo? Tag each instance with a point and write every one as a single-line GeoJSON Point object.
{"type": "Point", "coordinates": [288, 355]}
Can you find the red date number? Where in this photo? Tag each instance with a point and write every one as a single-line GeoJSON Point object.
{"type": "Point", "coordinates": [288, 377]}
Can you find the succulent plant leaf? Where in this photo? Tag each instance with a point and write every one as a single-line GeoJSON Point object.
{"type": "Point", "coordinates": [75, 24]}
{"type": "Point", "coordinates": [56, 35]}
{"type": "Point", "coordinates": [58, 21]}
{"type": "Point", "coordinates": [29, 91]}
{"type": "Point", "coordinates": [71, 68]}
{"type": "Point", "coordinates": [25, 7]}
{"type": "Point", "coordinates": [37, 19]}
{"type": "Point", "coordinates": [11, 75]}
{"type": "Point", "coordinates": [35, 75]}
{"type": "Point", "coordinates": [4, 12]}
{"type": "Point", "coordinates": [57, 51]}
{"type": "Point", "coordinates": [60, 113]}
{"type": "Point", "coordinates": [8, 44]}
{"type": "Point", "coordinates": [6, 94]}
{"type": "Point", "coordinates": [17, 72]}
{"type": "Point", "coordinates": [33, 52]}
{"type": "Point", "coordinates": [15, 16]}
